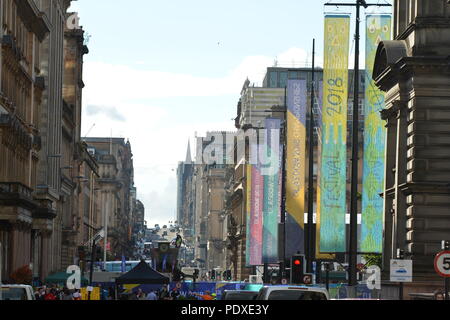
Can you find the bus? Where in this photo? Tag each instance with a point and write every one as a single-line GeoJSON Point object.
{"type": "Point", "coordinates": [116, 266]}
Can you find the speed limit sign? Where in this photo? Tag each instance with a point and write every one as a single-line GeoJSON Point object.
{"type": "Point", "coordinates": [442, 264]}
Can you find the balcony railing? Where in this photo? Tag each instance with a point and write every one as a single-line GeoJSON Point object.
{"type": "Point", "coordinates": [16, 194]}
{"type": "Point", "coordinates": [16, 189]}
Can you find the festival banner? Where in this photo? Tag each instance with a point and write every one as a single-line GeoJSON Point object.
{"type": "Point", "coordinates": [256, 213]}
{"type": "Point", "coordinates": [318, 125]}
{"type": "Point", "coordinates": [295, 167]}
{"type": "Point", "coordinates": [248, 209]}
{"type": "Point", "coordinates": [272, 192]}
{"type": "Point", "coordinates": [378, 28]}
{"type": "Point", "coordinates": [333, 164]}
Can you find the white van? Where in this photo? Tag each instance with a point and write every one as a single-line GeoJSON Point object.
{"type": "Point", "coordinates": [16, 292]}
{"type": "Point", "coordinates": [292, 293]}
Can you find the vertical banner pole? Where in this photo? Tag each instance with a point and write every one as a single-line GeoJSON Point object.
{"type": "Point", "coordinates": [353, 243]}
{"type": "Point", "coordinates": [272, 194]}
{"type": "Point", "coordinates": [257, 204]}
{"type": "Point", "coordinates": [311, 233]}
{"type": "Point", "coordinates": [248, 209]}
{"type": "Point", "coordinates": [378, 28]}
{"type": "Point", "coordinates": [296, 166]}
{"type": "Point", "coordinates": [333, 165]}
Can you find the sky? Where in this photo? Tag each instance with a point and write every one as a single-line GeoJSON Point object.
{"type": "Point", "coordinates": [160, 72]}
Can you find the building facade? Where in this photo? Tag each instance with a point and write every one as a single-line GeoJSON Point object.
{"type": "Point", "coordinates": [115, 192]}
{"type": "Point", "coordinates": [78, 167]}
{"type": "Point", "coordinates": [414, 72]}
{"type": "Point", "coordinates": [24, 232]}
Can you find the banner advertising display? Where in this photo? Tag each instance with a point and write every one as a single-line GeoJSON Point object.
{"type": "Point", "coordinates": [272, 197]}
{"type": "Point", "coordinates": [333, 164]}
{"type": "Point", "coordinates": [295, 166]}
{"type": "Point", "coordinates": [256, 213]}
{"type": "Point", "coordinates": [378, 28]}
{"type": "Point", "coordinates": [248, 209]}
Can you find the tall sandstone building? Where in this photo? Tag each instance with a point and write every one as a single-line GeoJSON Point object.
{"type": "Point", "coordinates": [414, 71]}
{"type": "Point", "coordinates": [31, 104]}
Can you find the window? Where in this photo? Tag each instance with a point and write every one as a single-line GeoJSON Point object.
{"type": "Point", "coordinates": [273, 79]}
{"type": "Point", "coordinates": [283, 79]}
{"type": "Point", "coordinates": [294, 75]}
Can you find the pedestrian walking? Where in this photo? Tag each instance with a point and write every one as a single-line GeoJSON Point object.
{"type": "Point", "coordinates": [140, 295]}
{"type": "Point", "coordinates": [66, 295]}
{"type": "Point", "coordinates": [77, 295]}
{"type": "Point", "coordinates": [164, 293]}
{"type": "Point", "coordinates": [175, 294]}
{"type": "Point", "coordinates": [50, 295]}
{"type": "Point", "coordinates": [152, 296]}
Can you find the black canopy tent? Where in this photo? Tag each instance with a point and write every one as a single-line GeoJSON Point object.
{"type": "Point", "coordinates": [142, 274]}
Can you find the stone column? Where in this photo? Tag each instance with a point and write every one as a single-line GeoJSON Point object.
{"type": "Point", "coordinates": [390, 160]}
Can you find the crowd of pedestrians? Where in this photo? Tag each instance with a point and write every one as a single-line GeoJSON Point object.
{"type": "Point", "coordinates": [165, 294]}
{"type": "Point", "coordinates": [57, 293]}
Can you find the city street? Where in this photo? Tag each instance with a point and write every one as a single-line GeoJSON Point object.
{"type": "Point", "coordinates": [224, 151]}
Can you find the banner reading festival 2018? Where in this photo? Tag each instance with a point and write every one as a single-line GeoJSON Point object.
{"type": "Point", "coordinates": [332, 186]}
{"type": "Point", "coordinates": [295, 167]}
{"type": "Point", "coordinates": [272, 195]}
{"type": "Point", "coordinates": [256, 206]}
{"type": "Point", "coordinates": [378, 29]}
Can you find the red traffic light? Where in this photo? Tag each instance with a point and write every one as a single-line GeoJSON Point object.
{"type": "Point", "coordinates": [297, 262]}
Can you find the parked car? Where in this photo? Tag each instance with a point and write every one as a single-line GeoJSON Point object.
{"type": "Point", "coordinates": [292, 293]}
{"type": "Point", "coordinates": [238, 295]}
{"type": "Point", "coordinates": [16, 292]}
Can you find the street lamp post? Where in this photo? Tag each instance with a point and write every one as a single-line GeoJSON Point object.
{"type": "Point", "coordinates": [310, 239]}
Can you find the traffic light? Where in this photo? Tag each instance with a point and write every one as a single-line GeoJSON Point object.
{"type": "Point", "coordinates": [196, 273]}
{"type": "Point", "coordinates": [297, 269]}
{"type": "Point", "coordinates": [227, 275]}
{"type": "Point", "coordinates": [213, 274]}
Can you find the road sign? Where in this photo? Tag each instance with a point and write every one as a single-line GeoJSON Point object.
{"type": "Point", "coordinates": [442, 264]}
{"type": "Point", "coordinates": [284, 281]}
{"type": "Point", "coordinates": [178, 285]}
{"type": "Point", "coordinates": [401, 270]}
{"type": "Point", "coordinates": [307, 279]}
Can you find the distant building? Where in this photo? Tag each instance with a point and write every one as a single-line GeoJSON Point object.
{"type": "Point", "coordinates": [115, 191]}
{"type": "Point", "coordinates": [185, 202]}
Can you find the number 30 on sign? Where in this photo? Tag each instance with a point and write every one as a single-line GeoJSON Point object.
{"type": "Point", "coordinates": [442, 264]}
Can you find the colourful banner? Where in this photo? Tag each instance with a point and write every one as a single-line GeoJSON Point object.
{"type": "Point", "coordinates": [295, 167]}
{"type": "Point", "coordinates": [272, 199]}
{"type": "Point", "coordinates": [248, 209]}
{"type": "Point", "coordinates": [332, 184]}
{"type": "Point", "coordinates": [256, 214]}
{"type": "Point", "coordinates": [378, 29]}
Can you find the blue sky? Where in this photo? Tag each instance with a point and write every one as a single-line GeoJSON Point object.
{"type": "Point", "coordinates": [159, 71]}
